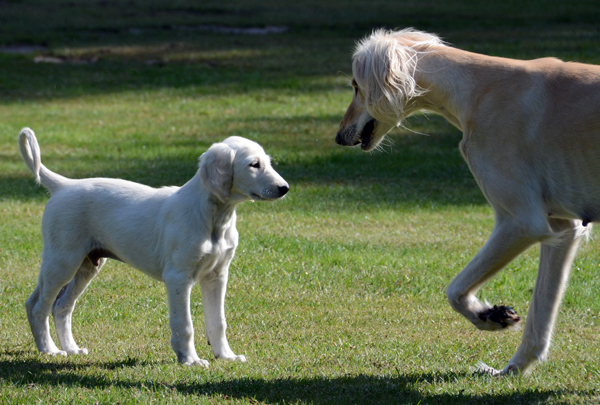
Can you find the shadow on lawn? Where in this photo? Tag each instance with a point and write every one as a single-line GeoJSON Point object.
{"type": "Point", "coordinates": [403, 388]}
{"type": "Point", "coordinates": [412, 167]}
{"type": "Point", "coordinates": [416, 170]}
{"type": "Point", "coordinates": [198, 63]}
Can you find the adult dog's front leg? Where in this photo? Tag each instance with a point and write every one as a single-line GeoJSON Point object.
{"type": "Point", "coordinates": [180, 319]}
{"type": "Point", "coordinates": [213, 287]}
{"type": "Point", "coordinates": [507, 240]}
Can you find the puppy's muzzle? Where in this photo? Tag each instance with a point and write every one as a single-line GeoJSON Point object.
{"type": "Point", "coordinates": [271, 193]}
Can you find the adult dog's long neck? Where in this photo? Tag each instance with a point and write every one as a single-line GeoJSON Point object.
{"type": "Point", "coordinates": [454, 79]}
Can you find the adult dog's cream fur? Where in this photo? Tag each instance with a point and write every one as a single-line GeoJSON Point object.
{"type": "Point", "coordinates": [531, 137]}
{"type": "Point", "coordinates": [178, 235]}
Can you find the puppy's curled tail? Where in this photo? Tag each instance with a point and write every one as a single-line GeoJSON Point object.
{"type": "Point", "coordinates": [30, 152]}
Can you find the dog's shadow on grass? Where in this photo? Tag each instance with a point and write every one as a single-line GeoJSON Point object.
{"type": "Point", "coordinates": [350, 389]}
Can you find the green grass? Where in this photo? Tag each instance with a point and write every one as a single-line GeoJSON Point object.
{"type": "Point", "coordinates": [337, 293]}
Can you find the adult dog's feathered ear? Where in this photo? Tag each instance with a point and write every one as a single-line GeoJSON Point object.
{"type": "Point", "coordinates": [385, 71]}
{"type": "Point", "coordinates": [216, 170]}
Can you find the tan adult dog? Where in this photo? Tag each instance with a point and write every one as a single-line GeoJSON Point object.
{"type": "Point", "coordinates": [178, 235]}
{"type": "Point", "coordinates": [531, 137]}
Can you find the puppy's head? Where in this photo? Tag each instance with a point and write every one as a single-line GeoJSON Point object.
{"type": "Point", "coordinates": [238, 169]}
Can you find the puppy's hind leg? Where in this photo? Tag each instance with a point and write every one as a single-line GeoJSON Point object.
{"type": "Point", "coordinates": [54, 274]}
{"type": "Point", "coordinates": [38, 322]}
{"type": "Point", "coordinates": [62, 309]}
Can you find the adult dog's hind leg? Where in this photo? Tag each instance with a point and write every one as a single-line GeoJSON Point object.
{"type": "Point", "coordinates": [62, 309]}
{"type": "Point", "coordinates": [509, 238]}
{"type": "Point", "coordinates": [554, 269]}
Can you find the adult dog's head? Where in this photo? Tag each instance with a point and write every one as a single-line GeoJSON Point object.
{"type": "Point", "coordinates": [384, 84]}
{"type": "Point", "coordinates": [238, 169]}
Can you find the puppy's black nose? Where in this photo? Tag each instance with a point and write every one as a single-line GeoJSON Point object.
{"type": "Point", "coordinates": [283, 190]}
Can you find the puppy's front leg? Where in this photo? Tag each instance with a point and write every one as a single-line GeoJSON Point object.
{"type": "Point", "coordinates": [179, 288]}
{"type": "Point", "coordinates": [213, 287]}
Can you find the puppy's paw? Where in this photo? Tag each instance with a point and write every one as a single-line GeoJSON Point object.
{"type": "Point", "coordinates": [233, 357]}
{"type": "Point", "coordinates": [77, 351]}
{"type": "Point", "coordinates": [55, 352]}
{"type": "Point", "coordinates": [198, 362]}
{"type": "Point", "coordinates": [190, 360]}
{"type": "Point", "coordinates": [498, 318]}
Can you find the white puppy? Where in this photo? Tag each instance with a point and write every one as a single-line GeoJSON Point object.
{"type": "Point", "coordinates": [180, 235]}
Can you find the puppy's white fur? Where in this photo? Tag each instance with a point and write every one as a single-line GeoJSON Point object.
{"type": "Point", "coordinates": [531, 137]}
{"type": "Point", "coordinates": [178, 235]}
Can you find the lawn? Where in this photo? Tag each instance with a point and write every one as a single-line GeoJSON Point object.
{"type": "Point", "coordinates": [337, 293]}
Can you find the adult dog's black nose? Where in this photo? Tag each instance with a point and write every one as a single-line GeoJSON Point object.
{"type": "Point", "coordinates": [283, 190]}
{"type": "Point", "coordinates": [347, 136]}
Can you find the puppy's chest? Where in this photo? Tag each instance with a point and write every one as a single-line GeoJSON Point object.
{"type": "Point", "coordinates": [213, 255]}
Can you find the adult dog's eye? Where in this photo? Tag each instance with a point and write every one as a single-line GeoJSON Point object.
{"type": "Point", "coordinates": [255, 165]}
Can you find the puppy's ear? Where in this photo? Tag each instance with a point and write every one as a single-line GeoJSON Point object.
{"type": "Point", "coordinates": [216, 170]}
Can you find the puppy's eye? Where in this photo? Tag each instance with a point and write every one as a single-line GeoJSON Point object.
{"type": "Point", "coordinates": [255, 165]}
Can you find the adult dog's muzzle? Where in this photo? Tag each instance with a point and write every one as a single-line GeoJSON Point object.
{"type": "Point", "coordinates": [350, 137]}
{"type": "Point", "coordinates": [347, 136]}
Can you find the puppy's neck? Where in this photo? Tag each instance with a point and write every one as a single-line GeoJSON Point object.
{"type": "Point", "coordinates": [222, 213]}
{"type": "Point", "coordinates": [214, 213]}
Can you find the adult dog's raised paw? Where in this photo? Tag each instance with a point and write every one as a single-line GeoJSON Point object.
{"type": "Point", "coordinates": [501, 317]}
